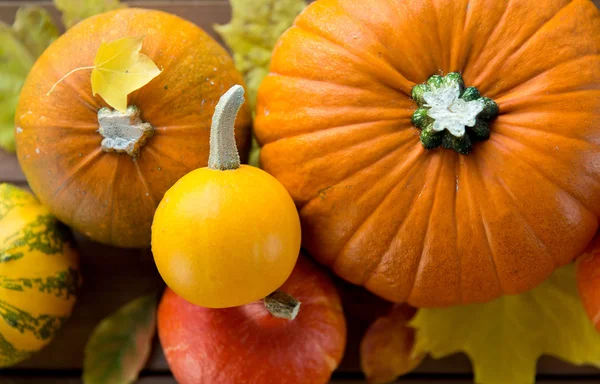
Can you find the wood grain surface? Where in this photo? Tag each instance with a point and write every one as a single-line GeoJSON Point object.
{"type": "Point", "coordinates": [112, 277]}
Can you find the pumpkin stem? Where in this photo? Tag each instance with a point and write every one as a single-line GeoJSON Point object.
{"type": "Point", "coordinates": [451, 115]}
{"type": "Point", "coordinates": [123, 132]}
{"type": "Point", "coordinates": [223, 150]}
{"type": "Point", "coordinates": [282, 305]}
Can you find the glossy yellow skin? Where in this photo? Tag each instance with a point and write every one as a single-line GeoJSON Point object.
{"type": "Point", "coordinates": [226, 238]}
{"type": "Point", "coordinates": [39, 275]}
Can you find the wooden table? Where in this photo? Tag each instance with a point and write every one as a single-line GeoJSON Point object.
{"type": "Point", "coordinates": [113, 276]}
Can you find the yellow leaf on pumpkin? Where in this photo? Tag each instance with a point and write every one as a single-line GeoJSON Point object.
{"type": "Point", "coordinates": [119, 69]}
{"type": "Point", "coordinates": [505, 337]}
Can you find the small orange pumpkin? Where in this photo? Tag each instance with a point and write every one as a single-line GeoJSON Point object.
{"type": "Point", "coordinates": [110, 196]}
{"type": "Point", "coordinates": [588, 281]}
{"type": "Point", "coordinates": [368, 114]}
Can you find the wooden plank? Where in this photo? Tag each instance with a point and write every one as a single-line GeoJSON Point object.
{"type": "Point", "coordinates": [9, 168]}
{"type": "Point", "coordinates": [115, 276]}
{"type": "Point", "coordinates": [204, 13]}
{"type": "Point", "coordinates": [64, 380]}
{"type": "Point", "coordinates": [171, 380]}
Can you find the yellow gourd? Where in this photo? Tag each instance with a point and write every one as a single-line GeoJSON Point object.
{"type": "Point", "coordinates": [227, 234]}
{"type": "Point", "coordinates": [39, 275]}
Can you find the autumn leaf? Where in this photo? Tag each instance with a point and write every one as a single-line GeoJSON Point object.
{"type": "Point", "coordinates": [119, 69]}
{"type": "Point", "coordinates": [120, 345]}
{"type": "Point", "coordinates": [587, 269]}
{"type": "Point", "coordinates": [505, 338]}
{"type": "Point", "coordinates": [73, 11]}
{"type": "Point", "coordinates": [32, 31]}
{"type": "Point", "coordinates": [386, 350]}
{"type": "Point", "coordinates": [251, 34]}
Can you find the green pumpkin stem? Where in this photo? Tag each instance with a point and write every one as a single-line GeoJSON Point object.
{"type": "Point", "coordinates": [282, 305]}
{"type": "Point", "coordinates": [223, 149]}
{"type": "Point", "coordinates": [445, 92]}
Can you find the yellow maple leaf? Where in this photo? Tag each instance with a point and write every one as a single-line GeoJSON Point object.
{"type": "Point", "coordinates": [119, 69]}
{"type": "Point", "coordinates": [505, 337]}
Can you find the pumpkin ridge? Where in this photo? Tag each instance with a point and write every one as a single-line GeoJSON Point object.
{"type": "Point", "coordinates": [311, 192]}
{"type": "Point", "coordinates": [397, 16]}
{"type": "Point", "coordinates": [330, 82]}
{"type": "Point", "coordinates": [153, 54]}
{"type": "Point", "coordinates": [348, 177]}
{"type": "Point", "coordinates": [84, 97]}
{"type": "Point", "coordinates": [505, 95]}
{"type": "Point", "coordinates": [384, 136]}
{"type": "Point", "coordinates": [382, 156]}
{"type": "Point", "coordinates": [523, 98]}
{"type": "Point", "coordinates": [540, 28]}
{"type": "Point", "coordinates": [85, 129]}
{"type": "Point", "coordinates": [502, 147]}
{"type": "Point", "coordinates": [417, 272]}
{"type": "Point", "coordinates": [501, 61]}
{"type": "Point", "coordinates": [515, 128]}
{"type": "Point", "coordinates": [375, 37]}
{"type": "Point", "coordinates": [484, 223]}
{"type": "Point", "coordinates": [327, 131]}
{"type": "Point", "coordinates": [320, 130]}
{"type": "Point", "coordinates": [497, 27]}
{"type": "Point", "coordinates": [157, 154]}
{"type": "Point", "coordinates": [457, 166]}
{"type": "Point", "coordinates": [85, 162]}
{"type": "Point", "coordinates": [442, 55]}
{"type": "Point", "coordinates": [173, 128]}
{"type": "Point", "coordinates": [458, 58]}
{"type": "Point", "coordinates": [145, 183]}
{"type": "Point", "coordinates": [526, 222]}
{"type": "Point", "coordinates": [374, 64]}
{"type": "Point", "coordinates": [359, 222]}
{"type": "Point", "coordinates": [113, 200]}
{"type": "Point", "coordinates": [408, 174]}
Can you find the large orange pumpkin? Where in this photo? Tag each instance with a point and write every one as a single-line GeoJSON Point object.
{"type": "Point", "coordinates": [393, 205]}
{"type": "Point", "coordinates": [110, 196]}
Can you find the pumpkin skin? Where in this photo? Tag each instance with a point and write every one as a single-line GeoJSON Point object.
{"type": "Point", "coordinates": [111, 197]}
{"type": "Point", "coordinates": [248, 345]}
{"type": "Point", "coordinates": [433, 227]}
{"type": "Point", "coordinates": [39, 275]}
{"type": "Point", "coordinates": [588, 281]}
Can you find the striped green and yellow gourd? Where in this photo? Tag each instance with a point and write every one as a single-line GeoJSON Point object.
{"type": "Point", "coordinates": [39, 275]}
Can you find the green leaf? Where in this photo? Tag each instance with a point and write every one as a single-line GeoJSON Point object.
{"type": "Point", "coordinates": [32, 31]}
{"type": "Point", "coordinates": [251, 35]}
{"type": "Point", "coordinates": [504, 338]}
{"type": "Point", "coordinates": [73, 11]}
{"type": "Point", "coordinates": [120, 345]}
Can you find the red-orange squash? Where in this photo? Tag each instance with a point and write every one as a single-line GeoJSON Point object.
{"type": "Point", "coordinates": [588, 281]}
{"type": "Point", "coordinates": [110, 196]}
{"type": "Point", "coordinates": [373, 147]}
{"type": "Point", "coordinates": [249, 345]}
